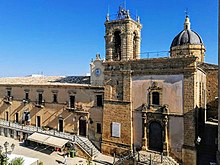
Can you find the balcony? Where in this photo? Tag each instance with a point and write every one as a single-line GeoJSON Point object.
{"type": "Point", "coordinates": [75, 108]}
{"type": "Point", "coordinates": [8, 99]}
{"type": "Point", "coordinates": [70, 109]}
{"type": "Point", "coordinates": [40, 103]}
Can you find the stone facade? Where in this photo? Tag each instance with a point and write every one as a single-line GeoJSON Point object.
{"type": "Point", "coordinates": [127, 103]}
{"type": "Point", "coordinates": [79, 117]}
{"type": "Point", "coordinates": [167, 94]}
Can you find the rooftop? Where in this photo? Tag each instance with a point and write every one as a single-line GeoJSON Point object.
{"type": "Point", "coordinates": [46, 80]}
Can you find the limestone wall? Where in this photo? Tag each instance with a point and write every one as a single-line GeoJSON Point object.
{"type": "Point", "coordinates": [85, 98]}
{"type": "Point", "coordinates": [172, 91]}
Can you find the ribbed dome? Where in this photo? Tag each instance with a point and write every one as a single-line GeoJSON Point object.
{"type": "Point", "coordinates": [187, 36]}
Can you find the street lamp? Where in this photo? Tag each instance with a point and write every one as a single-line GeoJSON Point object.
{"type": "Point", "coordinates": [6, 144]}
{"type": "Point", "coordinates": [4, 154]}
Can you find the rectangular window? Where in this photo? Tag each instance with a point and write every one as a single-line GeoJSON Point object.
{"type": "Point", "coordinates": [98, 128]}
{"type": "Point", "coordinates": [54, 98]}
{"type": "Point", "coordinates": [72, 102]}
{"type": "Point", "coordinates": [99, 100]}
{"type": "Point", "coordinates": [26, 96]}
{"type": "Point", "coordinates": [60, 125]}
{"type": "Point", "coordinates": [9, 93]}
{"type": "Point", "coordinates": [40, 98]}
{"type": "Point", "coordinates": [156, 98]}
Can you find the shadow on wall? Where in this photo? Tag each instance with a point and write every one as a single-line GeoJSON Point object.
{"type": "Point", "coordinates": [18, 109]}
{"type": "Point", "coordinates": [212, 110]}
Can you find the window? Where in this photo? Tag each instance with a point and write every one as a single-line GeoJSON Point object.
{"type": "Point", "coordinates": [72, 102]}
{"type": "Point", "coordinates": [155, 95]}
{"type": "Point", "coordinates": [99, 100]}
{"type": "Point", "coordinates": [26, 96]}
{"type": "Point", "coordinates": [98, 128]}
{"type": "Point", "coordinates": [156, 98]}
{"type": "Point", "coordinates": [117, 44]}
{"type": "Point", "coordinates": [38, 123]}
{"type": "Point", "coordinates": [9, 93]}
{"type": "Point", "coordinates": [40, 98]}
{"type": "Point", "coordinates": [54, 98]}
{"type": "Point", "coordinates": [134, 45]}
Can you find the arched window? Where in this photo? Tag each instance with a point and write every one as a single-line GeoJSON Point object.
{"type": "Point", "coordinates": [117, 44]}
{"type": "Point", "coordinates": [156, 98]}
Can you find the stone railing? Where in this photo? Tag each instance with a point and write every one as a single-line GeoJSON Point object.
{"type": "Point", "coordinates": [32, 129]}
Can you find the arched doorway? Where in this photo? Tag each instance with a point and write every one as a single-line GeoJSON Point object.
{"type": "Point", "coordinates": [155, 137]}
{"type": "Point", "coordinates": [82, 126]}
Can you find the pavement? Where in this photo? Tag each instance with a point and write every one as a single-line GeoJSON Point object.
{"type": "Point", "coordinates": [54, 158]}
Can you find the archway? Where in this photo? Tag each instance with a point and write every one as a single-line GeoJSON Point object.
{"type": "Point", "coordinates": [82, 126]}
{"type": "Point", "coordinates": [155, 137]}
{"type": "Point", "coordinates": [117, 45]}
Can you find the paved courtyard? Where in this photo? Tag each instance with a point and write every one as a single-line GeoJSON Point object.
{"type": "Point", "coordinates": [53, 158]}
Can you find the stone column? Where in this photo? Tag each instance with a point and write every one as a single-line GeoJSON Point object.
{"type": "Point", "coordinates": [108, 46]}
{"type": "Point", "coordinates": [129, 46]}
{"type": "Point", "coordinates": [8, 132]}
{"type": "Point", "coordinates": [15, 134]}
{"type": "Point", "coordinates": [165, 144]}
{"type": "Point", "coordinates": [2, 131]}
{"type": "Point", "coordinates": [123, 47]}
{"type": "Point", "coordinates": [137, 51]}
{"type": "Point", "coordinates": [144, 139]}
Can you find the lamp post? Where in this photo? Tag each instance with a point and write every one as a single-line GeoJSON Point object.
{"type": "Point", "coordinates": [4, 155]}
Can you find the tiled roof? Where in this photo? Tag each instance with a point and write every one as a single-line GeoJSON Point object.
{"type": "Point", "coordinates": [46, 80]}
{"type": "Point", "coordinates": [207, 66]}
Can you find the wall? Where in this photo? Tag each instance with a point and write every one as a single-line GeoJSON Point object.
{"type": "Point", "coordinates": [85, 98]}
{"type": "Point", "coordinates": [172, 95]}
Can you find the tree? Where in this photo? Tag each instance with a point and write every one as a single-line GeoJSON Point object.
{"type": "Point", "coordinates": [17, 161]}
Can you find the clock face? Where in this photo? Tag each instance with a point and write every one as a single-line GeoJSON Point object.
{"type": "Point", "coordinates": [97, 71]}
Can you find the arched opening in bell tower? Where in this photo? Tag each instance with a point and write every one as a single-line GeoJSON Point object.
{"type": "Point", "coordinates": [134, 45]}
{"type": "Point", "coordinates": [117, 45]}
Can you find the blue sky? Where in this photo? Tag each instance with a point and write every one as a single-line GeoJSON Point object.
{"type": "Point", "coordinates": [60, 37]}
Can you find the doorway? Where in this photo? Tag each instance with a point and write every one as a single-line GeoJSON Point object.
{"type": "Point", "coordinates": [38, 121]}
{"type": "Point", "coordinates": [16, 117]}
{"type": "Point", "coordinates": [60, 124]}
{"type": "Point", "coordinates": [155, 137]}
{"type": "Point", "coordinates": [82, 126]}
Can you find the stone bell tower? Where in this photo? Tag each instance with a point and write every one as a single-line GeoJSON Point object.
{"type": "Point", "coordinates": [122, 37]}
{"type": "Point", "coordinates": [122, 46]}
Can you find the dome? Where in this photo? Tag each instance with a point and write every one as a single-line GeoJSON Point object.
{"type": "Point", "coordinates": [187, 36]}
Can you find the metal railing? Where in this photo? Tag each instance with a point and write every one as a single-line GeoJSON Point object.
{"type": "Point", "coordinates": [31, 129]}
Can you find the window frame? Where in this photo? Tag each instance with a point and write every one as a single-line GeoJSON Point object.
{"type": "Point", "coordinates": [98, 128]}
{"type": "Point", "coordinates": [99, 100]}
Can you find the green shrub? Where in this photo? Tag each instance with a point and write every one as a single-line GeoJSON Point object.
{"type": "Point", "coordinates": [17, 161]}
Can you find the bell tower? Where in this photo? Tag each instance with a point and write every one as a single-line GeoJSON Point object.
{"type": "Point", "coordinates": [122, 37]}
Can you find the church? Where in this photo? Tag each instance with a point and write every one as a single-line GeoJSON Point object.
{"type": "Point", "coordinates": [127, 103]}
{"type": "Point", "coordinates": [159, 103]}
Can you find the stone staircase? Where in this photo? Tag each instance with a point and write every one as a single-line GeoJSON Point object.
{"type": "Point", "coordinates": [83, 142]}
{"type": "Point", "coordinates": [88, 144]}
{"type": "Point", "coordinates": [154, 158]}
